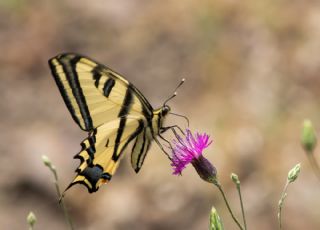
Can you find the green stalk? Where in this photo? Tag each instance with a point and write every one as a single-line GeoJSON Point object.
{"type": "Point", "coordinates": [281, 201]}
{"type": "Point", "coordinates": [218, 185]}
{"type": "Point", "coordinates": [292, 176]}
{"type": "Point", "coordinates": [242, 209]}
{"type": "Point", "coordinates": [52, 168]}
{"type": "Point", "coordinates": [61, 202]}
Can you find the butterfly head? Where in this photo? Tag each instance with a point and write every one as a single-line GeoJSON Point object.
{"type": "Point", "coordinates": [165, 110]}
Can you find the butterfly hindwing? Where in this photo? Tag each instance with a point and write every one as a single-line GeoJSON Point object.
{"type": "Point", "coordinates": [102, 150]}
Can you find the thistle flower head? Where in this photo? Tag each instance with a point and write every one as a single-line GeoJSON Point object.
{"type": "Point", "coordinates": [189, 150]}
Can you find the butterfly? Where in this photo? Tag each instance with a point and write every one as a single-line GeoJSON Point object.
{"type": "Point", "coordinates": [113, 112]}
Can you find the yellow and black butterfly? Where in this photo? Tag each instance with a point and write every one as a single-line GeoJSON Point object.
{"type": "Point", "coordinates": [112, 111]}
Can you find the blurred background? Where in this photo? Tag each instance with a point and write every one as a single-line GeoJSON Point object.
{"type": "Point", "coordinates": [252, 70]}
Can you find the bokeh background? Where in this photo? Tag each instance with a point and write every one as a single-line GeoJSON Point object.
{"type": "Point", "coordinates": [252, 70]}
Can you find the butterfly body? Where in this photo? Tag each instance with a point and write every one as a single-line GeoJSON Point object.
{"type": "Point", "coordinates": [113, 112]}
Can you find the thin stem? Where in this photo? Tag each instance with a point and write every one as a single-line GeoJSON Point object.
{"type": "Point", "coordinates": [218, 185]}
{"type": "Point", "coordinates": [314, 164]}
{"type": "Point", "coordinates": [62, 204]}
{"type": "Point", "coordinates": [281, 201]}
{"type": "Point", "coordinates": [242, 209]}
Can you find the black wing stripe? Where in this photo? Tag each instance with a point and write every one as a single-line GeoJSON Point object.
{"type": "Point", "coordinates": [149, 120]}
{"type": "Point", "coordinates": [80, 96]}
{"type": "Point", "coordinates": [69, 67]}
{"type": "Point", "coordinates": [91, 150]}
{"type": "Point", "coordinates": [147, 107]}
{"type": "Point", "coordinates": [141, 150]}
{"type": "Point", "coordinates": [97, 74]}
{"type": "Point", "coordinates": [116, 156]}
{"type": "Point", "coordinates": [126, 105]}
{"type": "Point", "coordinates": [108, 87]}
{"type": "Point", "coordinates": [143, 100]}
{"type": "Point", "coordinates": [63, 90]}
{"type": "Point", "coordinates": [145, 153]}
{"type": "Point", "coordinates": [125, 108]}
{"type": "Point", "coordinates": [134, 134]}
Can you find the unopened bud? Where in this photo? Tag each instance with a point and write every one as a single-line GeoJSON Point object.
{"type": "Point", "coordinates": [46, 161]}
{"type": "Point", "coordinates": [234, 177]}
{"type": "Point", "coordinates": [31, 219]}
{"type": "Point", "coordinates": [215, 221]}
{"type": "Point", "coordinates": [205, 169]}
{"type": "Point", "coordinates": [308, 137]}
{"type": "Point", "coordinates": [294, 173]}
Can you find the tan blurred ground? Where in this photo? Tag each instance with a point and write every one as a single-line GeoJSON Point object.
{"type": "Point", "coordinates": [252, 70]}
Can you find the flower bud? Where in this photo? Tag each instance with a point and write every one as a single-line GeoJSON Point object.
{"type": "Point", "coordinates": [205, 169]}
{"type": "Point", "coordinates": [46, 161]}
{"type": "Point", "coordinates": [294, 173]}
{"type": "Point", "coordinates": [31, 219]}
{"type": "Point", "coordinates": [234, 177]}
{"type": "Point", "coordinates": [215, 221]}
{"type": "Point", "coordinates": [308, 137]}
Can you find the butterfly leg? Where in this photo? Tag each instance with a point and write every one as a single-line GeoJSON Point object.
{"type": "Point", "coordinates": [161, 147]}
{"type": "Point", "coordinates": [172, 128]}
{"type": "Point", "coordinates": [168, 142]}
{"type": "Point", "coordinates": [164, 129]}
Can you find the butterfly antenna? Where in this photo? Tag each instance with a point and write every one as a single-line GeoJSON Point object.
{"type": "Point", "coordinates": [174, 94]}
{"type": "Point", "coordinates": [175, 91]}
{"type": "Point", "coordinates": [180, 84]}
{"type": "Point", "coordinates": [185, 117]}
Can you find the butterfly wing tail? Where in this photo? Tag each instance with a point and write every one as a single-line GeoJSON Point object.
{"type": "Point", "coordinates": [102, 151]}
{"type": "Point", "coordinates": [93, 175]}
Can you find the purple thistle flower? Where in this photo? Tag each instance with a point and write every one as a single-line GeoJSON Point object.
{"type": "Point", "coordinates": [189, 150]}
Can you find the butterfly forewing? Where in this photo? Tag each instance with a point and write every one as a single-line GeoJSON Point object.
{"type": "Point", "coordinates": [93, 93]}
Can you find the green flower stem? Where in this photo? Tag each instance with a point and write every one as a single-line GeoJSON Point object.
{"type": "Point", "coordinates": [242, 209]}
{"type": "Point", "coordinates": [281, 201]}
{"type": "Point", "coordinates": [52, 168]}
{"type": "Point", "coordinates": [292, 177]}
{"type": "Point", "coordinates": [218, 185]}
{"type": "Point", "coordinates": [62, 204]}
{"type": "Point", "coordinates": [314, 164]}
